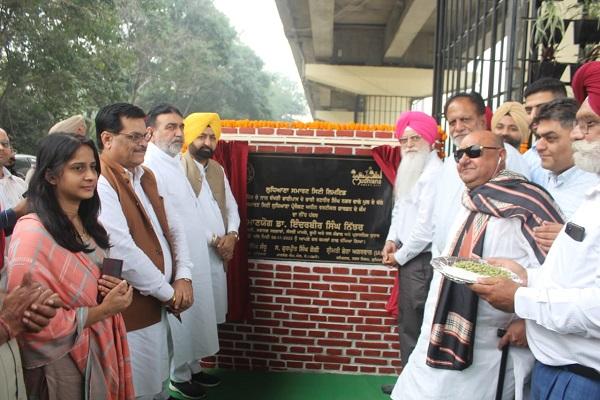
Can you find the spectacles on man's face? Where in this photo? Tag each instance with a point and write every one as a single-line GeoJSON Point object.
{"type": "Point", "coordinates": [405, 139]}
{"type": "Point", "coordinates": [474, 151]}
{"type": "Point", "coordinates": [136, 137]}
{"type": "Point", "coordinates": [585, 126]}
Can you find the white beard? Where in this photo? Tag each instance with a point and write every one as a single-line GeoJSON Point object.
{"type": "Point", "coordinates": [409, 171]}
{"type": "Point", "coordinates": [587, 155]}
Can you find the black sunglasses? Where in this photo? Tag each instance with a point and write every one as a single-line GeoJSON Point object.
{"type": "Point", "coordinates": [473, 151]}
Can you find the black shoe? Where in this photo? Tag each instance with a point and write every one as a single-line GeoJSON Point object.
{"type": "Point", "coordinates": [186, 390]}
{"type": "Point", "coordinates": [206, 380]}
{"type": "Point", "coordinates": [387, 389]}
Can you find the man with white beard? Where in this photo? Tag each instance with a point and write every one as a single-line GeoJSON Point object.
{"type": "Point", "coordinates": [195, 334]}
{"type": "Point", "coordinates": [408, 244]}
{"type": "Point", "coordinates": [559, 301]}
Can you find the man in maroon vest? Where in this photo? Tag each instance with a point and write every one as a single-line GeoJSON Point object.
{"type": "Point", "coordinates": [148, 238]}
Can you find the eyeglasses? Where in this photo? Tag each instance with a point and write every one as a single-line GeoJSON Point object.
{"type": "Point", "coordinates": [404, 140]}
{"type": "Point", "coordinates": [473, 151]}
{"type": "Point", "coordinates": [585, 126]}
{"type": "Point", "coordinates": [137, 138]}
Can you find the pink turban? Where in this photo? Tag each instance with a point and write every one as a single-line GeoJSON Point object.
{"type": "Point", "coordinates": [420, 122]}
{"type": "Point", "coordinates": [586, 83]}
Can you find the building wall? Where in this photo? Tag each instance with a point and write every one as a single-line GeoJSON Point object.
{"type": "Point", "coordinates": [313, 316]}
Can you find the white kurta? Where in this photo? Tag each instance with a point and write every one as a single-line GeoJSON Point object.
{"type": "Point", "coordinates": [149, 346]}
{"type": "Point", "coordinates": [214, 226]}
{"type": "Point", "coordinates": [418, 381]}
{"type": "Point", "coordinates": [450, 190]}
{"type": "Point", "coordinates": [11, 190]}
{"type": "Point", "coordinates": [196, 335]}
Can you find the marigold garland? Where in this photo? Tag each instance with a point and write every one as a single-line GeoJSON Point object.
{"type": "Point", "coordinates": [351, 126]}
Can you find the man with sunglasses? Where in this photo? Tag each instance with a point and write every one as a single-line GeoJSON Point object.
{"type": "Point", "coordinates": [465, 113]}
{"type": "Point", "coordinates": [147, 235]}
{"type": "Point", "coordinates": [408, 244]}
{"type": "Point", "coordinates": [456, 355]}
{"type": "Point", "coordinates": [559, 301]}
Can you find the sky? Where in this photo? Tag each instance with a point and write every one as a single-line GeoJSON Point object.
{"type": "Point", "coordinates": [259, 26]}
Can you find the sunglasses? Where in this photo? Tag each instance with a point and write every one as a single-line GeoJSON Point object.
{"type": "Point", "coordinates": [473, 151]}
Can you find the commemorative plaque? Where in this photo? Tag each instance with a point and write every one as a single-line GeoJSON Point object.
{"type": "Point", "coordinates": [317, 208]}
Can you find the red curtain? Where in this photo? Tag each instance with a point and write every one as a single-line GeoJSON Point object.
{"type": "Point", "coordinates": [388, 159]}
{"type": "Point", "coordinates": [233, 156]}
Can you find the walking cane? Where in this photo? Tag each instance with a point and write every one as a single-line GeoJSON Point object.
{"type": "Point", "coordinates": [501, 332]}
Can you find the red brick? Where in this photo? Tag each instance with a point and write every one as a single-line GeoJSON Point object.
{"type": "Point", "coordinates": [337, 327]}
{"type": "Point", "coordinates": [370, 361]}
{"type": "Point", "coordinates": [312, 366]}
{"type": "Point", "coordinates": [297, 332]}
{"type": "Point", "coordinates": [278, 348]}
{"type": "Point", "coordinates": [320, 286]}
{"type": "Point", "coordinates": [283, 131]}
{"type": "Point", "coordinates": [262, 314]}
{"type": "Point", "coordinates": [364, 134]}
{"type": "Point", "coordinates": [341, 271]}
{"type": "Point", "coordinates": [336, 318]}
{"type": "Point", "coordinates": [353, 352]}
{"type": "Point", "coordinates": [396, 363]}
{"type": "Point", "coordinates": [306, 277]}
{"type": "Point", "coordinates": [373, 336]}
{"type": "Point", "coordinates": [362, 152]}
{"type": "Point", "coordinates": [314, 350]}
{"type": "Point", "coordinates": [344, 133]}
{"type": "Point", "coordinates": [243, 328]}
{"type": "Point", "coordinates": [226, 327]}
{"type": "Point", "coordinates": [372, 328]}
{"type": "Point", "coordinates": [340, 288]}
{"type": "Point", "coordinates": [334, 352]}
{"type": "Point", "coordinates": [262, 330]}
{"type": "Point", "coordinates": [320, 318]}
{"type": "Point", "coordinates": [345, 151]}
{"type": "Point", "coordinates": [268, 290]}
{"type": "Point", "coordinates": [266, 322]}
{"type": "Point", "coordinates": [368, 370]}
{"type": "Point", "coordinates": [264, 299]}
{"type": "Point", "coordinates": [373, 321]}
{"type": "Point", "coordinates": [395, 345]}
{"type": "Point", "coordinates": [335, 335]}
{"type": "Point", "coordinates": [283, 268]}
{"type": "Point", "coordinates": [380, 289]}
{"type": "Point", "coordinates": [354, 335]}
{"type": "Point", "coordinates": [323, 150]}
{"type": "Point", "coordinates": [304, 150]}
{"type": "Point", "coordinates": [301, 301]}
{"type": "Point", "coordinates": [371, 353]}
{"type": "Point", "coordinates": [390, 354]}
{"type": "Point", "coordinates": [261, 354]}
{"type": "Point", "coordinates": [360, 288]}
{"type": "Point", "coordinates": [303, 270]}
{"type": "Point", "coordinates": [316, 334]}
{"type": "Point", "coordinates": [260, 274]}
{"type": "Point", "coordinates": [334, 343]}
{"type": "Point", "coordinates": [285, 149]}
{"type": "Point", "coordinates": [302, 309]}
{"type": "Point", "coordinates": [283, 275]}
{"type": "Point", "coordinates": [324, 133]}
{"type": "Point", "coordinates": [332, 359]}
{"type": "Point", "coordinates": [335, 278]}
{"type": "Point", "coordinates": [373, 313]}
{"type": "Point", "coordinates": [377, 281]}
{"type": "Point", "coordinates": [332, 367]}
{"type": "Point", "coordinates": [259, 364]}
{"type": "Point", "coordinates": [349, 368]}
{"type": "Point", "coordinates": [380, 272]}
{"type": "Point", "coordinates": [227, 129]}
{"type": "Point", "coordinates": [297, 340]}
{"type": "Point", "coordinates": [263, 338]}
{"type": "Point", "coordinates": [231, 352]}
{"type": "Point", "coordinates": [320, 302]}
{"type": "Point", "coordinates": [391, 371]}
{"type": "Point", "coordinates": [262, 282]}
{"type": "Point", "coordinates": [266, 131]}
{"type": "Point", "coordinates": [296, 357]}
{"type": "Point", "coordinates": [261, 346]}
{"type": "Point", "coordinates": [283, 284]}
{"type": "Point", "coordinates": [231, 336]}
{"type": "Point", "coordinates": [247, 130]}
{"type": "Point", "coordinates": [305, 132]}
{"type": "Point", "coordinates": [373, 345]}
{"type": "Point", "coordinates": [384, 135]}
{"type": "Point", "coordinates": [340, 295]}
{"type": "Point", "coordinates": [276, 364]}
{"type": "Point", "coordinates": [338, 311]}
{"type": "Point", "coordinates": [281, 331]}
{"type": "Point", "coordinates": [283, 300]}
{"type": "Point", "coordinates": [295, 324]}
{"type": "Point", "coordinates": [299, 292]}
{"type": "Point", "coordinates": [358, 304]}
{"type": "Point", "coordinates": [266, 149]}
{"type": "Point", "coordinates": [322, 270]}
{"type": "Point", "coordinates": [374, 296]}
{"type": "Point", "coordinates": [252, 148]}
{"type": "Point", "coordinates": [356, 320]}
{"type": "Point", "coordinates": [294, 364]}
{"type": "Point", "coordinates": [302, 285]}
{"type": "Point", "coordinates": [339, 303]}
{"type": "Point", "coordinates": [357, 271]}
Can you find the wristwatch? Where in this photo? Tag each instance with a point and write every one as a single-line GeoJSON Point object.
{"type": "Point", "coordinates": [234, 234]}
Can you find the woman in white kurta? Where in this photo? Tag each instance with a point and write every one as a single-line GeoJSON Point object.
{"type": "Point", "coordinates": [503, 238]}
{"type": "Point", "coordinates": [195, 337]}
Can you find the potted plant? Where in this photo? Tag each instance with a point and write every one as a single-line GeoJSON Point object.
{"type": "Point", "coordinates": [587, 29]}
{"type": "Point", "coordinates": [549, 29]}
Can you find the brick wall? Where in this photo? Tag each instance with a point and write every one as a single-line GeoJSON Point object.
{"type": "Point", "coordinates": [313, 316]}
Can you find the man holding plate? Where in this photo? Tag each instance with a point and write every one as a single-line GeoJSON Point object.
{"type": "Point", "coordinates": [559, 301]}
{"type": "Point", "coordinates": [458, 346]}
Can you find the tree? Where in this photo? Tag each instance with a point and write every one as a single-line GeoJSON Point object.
{"type": "Point", "coordinates": [286, 102]}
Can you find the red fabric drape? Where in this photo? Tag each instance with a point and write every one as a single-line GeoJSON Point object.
{"type": "Point", "coordinates": [388, 159]}
{"type": "Point", "coordinates": [233, 156]}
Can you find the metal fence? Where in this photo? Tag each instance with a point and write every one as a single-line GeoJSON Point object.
{"type": "Point", "coordinates": [380, 109]}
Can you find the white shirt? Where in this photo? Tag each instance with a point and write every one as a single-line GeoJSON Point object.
{"type": "Point", "coordinates": [412, 214]}
{"type": "Point", "coordinates": [449, 192]}
{"type": "Point", "coordinates": [11, 190]}
{"type": "Point", "coordinates": [568, 188]}
{"type": "Point", "coordinates": [138, 269]}
{"type": "Point", "coordinates": [537, 173]}
{"type": "Point", "coordinates": [418, 381]}
{"type": "Point", "coordinates": [561, 303]}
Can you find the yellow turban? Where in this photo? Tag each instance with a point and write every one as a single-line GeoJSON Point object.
{"type": "Point", "coordinates": [518, 114]}
{"type": "Point", "coordinates": [196, 123]}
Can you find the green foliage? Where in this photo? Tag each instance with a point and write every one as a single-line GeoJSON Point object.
{"type": "Point", "coordinates": [65, 57]}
